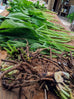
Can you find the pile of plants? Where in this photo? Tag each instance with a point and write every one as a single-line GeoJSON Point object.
{"type": "Point", "coordinates": [27, 29]}
{"type": "Point", "coordinates": [33, 72]}
{"type": "Point", "coordinates": [29, 21]}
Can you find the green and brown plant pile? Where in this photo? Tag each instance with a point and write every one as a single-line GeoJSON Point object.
{"type": "Point", "coordinates": [29, 21]}
{"type": "Point", "coordinates": [32, 72]}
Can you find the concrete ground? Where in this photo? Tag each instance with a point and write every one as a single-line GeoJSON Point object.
{"type": "Point", "coordinates": [65, 22]}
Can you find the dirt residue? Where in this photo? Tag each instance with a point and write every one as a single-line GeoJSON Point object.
{"type": "Point", "coordinates": [4, 13]}
{"type": "Point", "coordinates": [3, 55]}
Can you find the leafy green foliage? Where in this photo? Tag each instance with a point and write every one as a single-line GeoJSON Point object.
{"type": "Point", "coordinates": [37, 5]}
{"type": "Point", "coordinates": [11, 49]}
{"type": "Point", "coordinates": [71, 17]}
{"type": "Point", "coordinates": [26, 21]}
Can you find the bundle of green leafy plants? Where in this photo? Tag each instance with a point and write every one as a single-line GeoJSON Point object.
{"type": "Point", "coordinates": [26, 21]}
{"type": "Point", "coordinates": [71, 17]}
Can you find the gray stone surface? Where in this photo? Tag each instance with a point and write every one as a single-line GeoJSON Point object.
{"type": "Point", "coordinates": [0, 0]}
{"type": "Point", "coordinates": [72, 26]}
{"type": "Point", "coordinates": [71, 9]}
{"type": "Point", "coordinates": [65, 22]}
{"type": "Point", "coordinates": [2, 7]}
